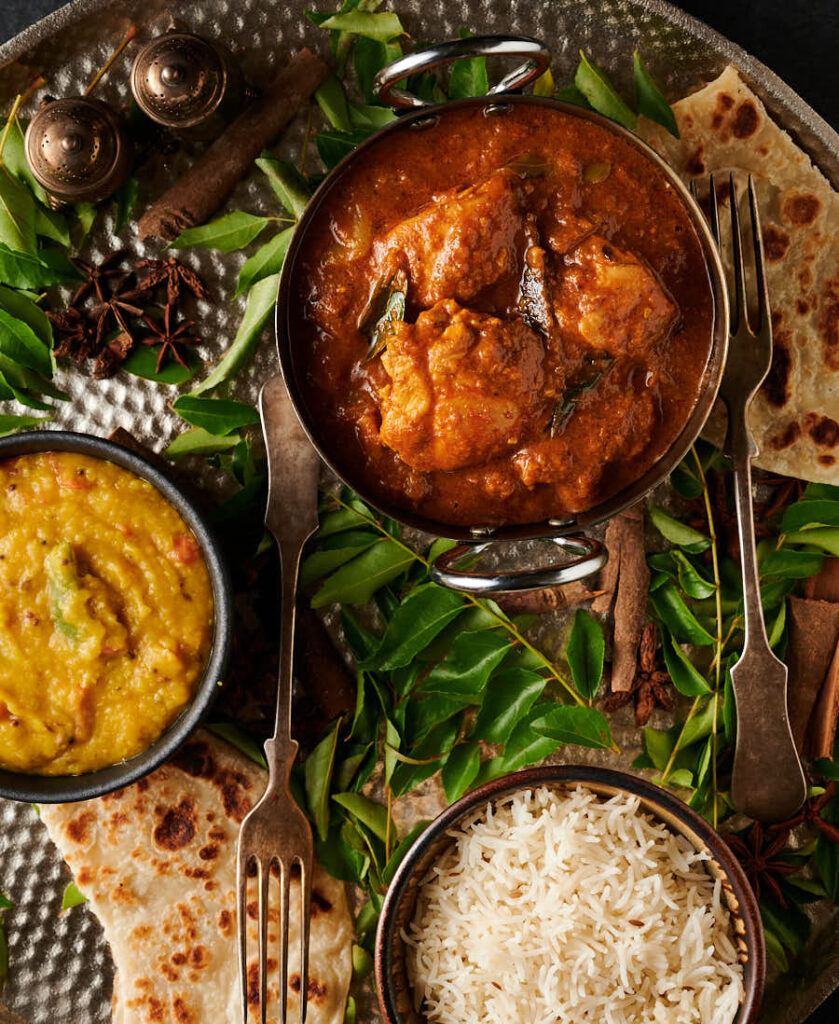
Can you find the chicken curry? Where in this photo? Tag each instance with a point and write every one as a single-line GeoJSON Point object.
{"type": "Point", "coordinates": [504, 315]}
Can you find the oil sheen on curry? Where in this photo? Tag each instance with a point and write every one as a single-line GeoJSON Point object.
{"type": "Point", "coordinates": [504, 317]}
{"type": "Point", "coordinates": [106, 614]}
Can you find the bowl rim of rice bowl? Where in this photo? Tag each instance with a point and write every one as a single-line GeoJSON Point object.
{"type": "Point", "coordinates": [395, 993]}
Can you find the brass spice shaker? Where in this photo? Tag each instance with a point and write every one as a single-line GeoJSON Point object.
{"type": "Point", "coordinates": [79, 149]}
{"type": "Point", "coordinates": [188, 84]}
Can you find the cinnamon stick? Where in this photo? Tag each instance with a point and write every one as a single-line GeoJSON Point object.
{"type": "Point", "coordinates": [199, 193]}
{"type": "Point", "coordinates": [626, 546]}
{"type": "Point", "coordinates": [825, 584]}
{"type": "Point", "coordinates": [550, 599]}
{"type": "Point", "coordinates": [813, 633]}
{"type": "Point", "coordinates": [822, 732]}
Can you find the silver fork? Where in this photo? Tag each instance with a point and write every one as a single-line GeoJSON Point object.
{"type": "Point", "coordinates": [767, 780]}
{"type": "Point", "coordinates": [276, 831]}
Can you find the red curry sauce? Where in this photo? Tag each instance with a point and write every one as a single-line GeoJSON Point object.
{"type": "Point", "coordinates": [556, 322]}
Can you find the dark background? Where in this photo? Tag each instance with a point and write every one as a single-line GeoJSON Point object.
{"type": "Point", "coordinates": [798, 39]}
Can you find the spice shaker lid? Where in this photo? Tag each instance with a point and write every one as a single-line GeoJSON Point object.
{"type": "Point", "coordinates": [78, 149]}
{"type": "Point", "coordinates": [179, 79]}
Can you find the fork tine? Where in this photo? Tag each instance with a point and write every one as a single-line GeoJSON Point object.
{"type": "Point", "coordinates": [739, 301]}
{"type": "Point", "coordinates": [241, 922]}
{"type": "Point", "coordinates": [714, 214]}
{"type": "Point", "coordinates": [285, 889]}
{"type": "Point", "coordinates": [305, 912]}
{"type": "Point", "coordinates": [264, 879]}
{"type": "Point", "coordinates": [763, 311]}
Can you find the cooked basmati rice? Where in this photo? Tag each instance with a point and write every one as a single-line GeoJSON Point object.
{"type": "Point", "coordinates": [562, 907]}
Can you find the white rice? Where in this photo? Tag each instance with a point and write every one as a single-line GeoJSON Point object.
{"type": "Point", "coordinates": [559, 907]}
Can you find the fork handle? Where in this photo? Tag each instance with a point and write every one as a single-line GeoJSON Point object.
{"type": "Point", "coordinates": [281, 749]}
{"type": "Point", "coordinates": [767, 780]}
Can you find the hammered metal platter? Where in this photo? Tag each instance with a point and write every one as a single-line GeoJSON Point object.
{"type": "Point", "coordinates": [60, 966]}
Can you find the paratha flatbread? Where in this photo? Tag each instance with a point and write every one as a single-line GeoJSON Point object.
{"type": "Point", "coordinates": [724, 127]}
{"type": "Point", "coordinates": [158, 863]}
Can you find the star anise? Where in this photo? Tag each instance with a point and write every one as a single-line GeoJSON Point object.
{"type": "Point", "coordinates": [169, 336]}
{"type": "Point", "coordinates": [173, 274]}
{"type": "Point", "coordinates": [758, 854]}
{"type": "Point", "coordinates": [113, 309]}
{"type": "Point", "coordinates": [112, 355]}
{"type": "Point", "coordinates": [96, 276]}
{"type": "Point", "coordinates": [810, 814]}
{"type": "Point", "coordinates": [648, 687]}
{"type": "Point", "coordinates": [76, 336]}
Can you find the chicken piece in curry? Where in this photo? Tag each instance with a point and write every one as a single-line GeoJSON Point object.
{"type": "Point", "coordinates": [491, 332]}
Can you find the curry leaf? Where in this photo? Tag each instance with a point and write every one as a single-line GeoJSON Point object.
{"type": "Point", "coordinates": [49, 224]}
{"type": "Point", "coordinates": [243, 741]}
{"type": "Point", "coordinates": [142, 362]}
{"type": "Point", "coordinates": [267, 260]}
{"type": "Point", "coordinates": [317, 772]}
{"type": "Point", "coordinates": [21, 344]}
{"type": "Point", "coordinates": [199, 442]}
{"type": "Point", "coordinates": [827, 853]}
{"type": "Point", "coordinates": [357, 581]}
{"type": "Point", "coordinates": [329, 557]}
{"type": "Point", "coordinates": [73, 897]}
{"type": "Point", "coordinates": [17, 214]}
{"type": "Point", "coordinates": [371, 814]}
{"type": "Point", "coordinates": [824, 537]}
{"type": "Point", "coordinates": [797, 565]}
{"type": "Point", "coordinates": [585, 653]}
{"type": "Point", "coordinates": [420, 617]}
{"type": "Point", "coordinates": [334, 146]}
{"type": "Point", "coordinates": [649, 100]}
{"type": "Point", "coordinates": [571, 94]}
{"type": "Point", "coordinates": [34, 271]}
{"type": "Point", "coordinates": [468, 77]}
{"type": "Point", "coordinates": [332, 100]}
{"type": "Point", "coordinates": [229, 233]}
{"type": "Point", "coordinates": [219, 416]}
{"type": "Point", "coordinates": [125, 202]}
{"type": "Point", "coordinates": [460, 770]}
{"type": "Point", "coordinates": [468, 665]}
{"type": "Point", "coordinates": [803, 514]}
{"type": "Point", "coordinates": [585, 727]}
{"type": "Point", "coordinates": [686, 678]}
{"type": "Point", "coordinates": [678, 618]}
{"type": "Point", "coordinates": [381, 25]}
{"type": "Point", "coordinates": [23, 308]}
{"type": "Point", "coordinates": [678, 533]}
{"type": "Point", "coordinates": [397, 857]}
{"type": "Point", "coordinates": [510, 695]}
{"type": "Point", "coordinates": [9, 423]}
{"type": "Point", "coordinates": [369, 57]}
{"type": "Point", "coordinates": [289, 185]}
{"type": "Point", "coordinates": [601, 94]}
{"type": "Point", "coordinates": [261, 300]}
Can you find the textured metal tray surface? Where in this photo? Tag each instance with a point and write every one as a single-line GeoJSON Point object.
{"type": "Point", "coordinates": [61, 969]}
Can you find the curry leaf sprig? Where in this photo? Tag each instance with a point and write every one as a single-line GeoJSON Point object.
{"type": "Point", "coordinates": [697, 602]}
{"type": "Point", "coordinates": [446, 683]}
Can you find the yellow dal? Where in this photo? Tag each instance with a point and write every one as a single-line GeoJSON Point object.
{"type": "Point", "coordinates": [94, 672]}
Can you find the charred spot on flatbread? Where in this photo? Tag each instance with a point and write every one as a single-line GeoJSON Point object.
{"type": "Point", "coordinates": [196, 759]}
{"type": "Point", "coordinates": [225, 923]}
{"type": "Point", "coordinates": [830, 331]}
{"type": "Point", "coordinates": [183, 1014]}
{"type": "Point", "coordinates": [177, 829]}
{"type": "Point", "coordinates": [745, 121]}
{"type": "Point", "coordinates": [786, 437]}
{"type": "Point", "coordinates": [776, 385]}
{"type": "Point", "coordinates": [822, 429]}
{"type": "Point", "coordinates": [315, 989]}
{"type": "Point", "coordinates": [696, 165]}
{"type": "Point", "coordinates": [826, 460]}
{"type": "Point", "coordinates": [79, 828]}
{"type": "Point", "coordinates": [775, 243]}
{"type": "Point", "coordinates": [320, 904]}
{"type": "Point", "coordinates": [800, 209]}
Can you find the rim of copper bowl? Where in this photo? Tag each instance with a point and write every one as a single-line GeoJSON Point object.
{"type": "Point", "coordinates": [286, 310]}
{"type": "Point", "coordinates": [654, 799]}
{"type": "Point", "coordinates": [65, 788]}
